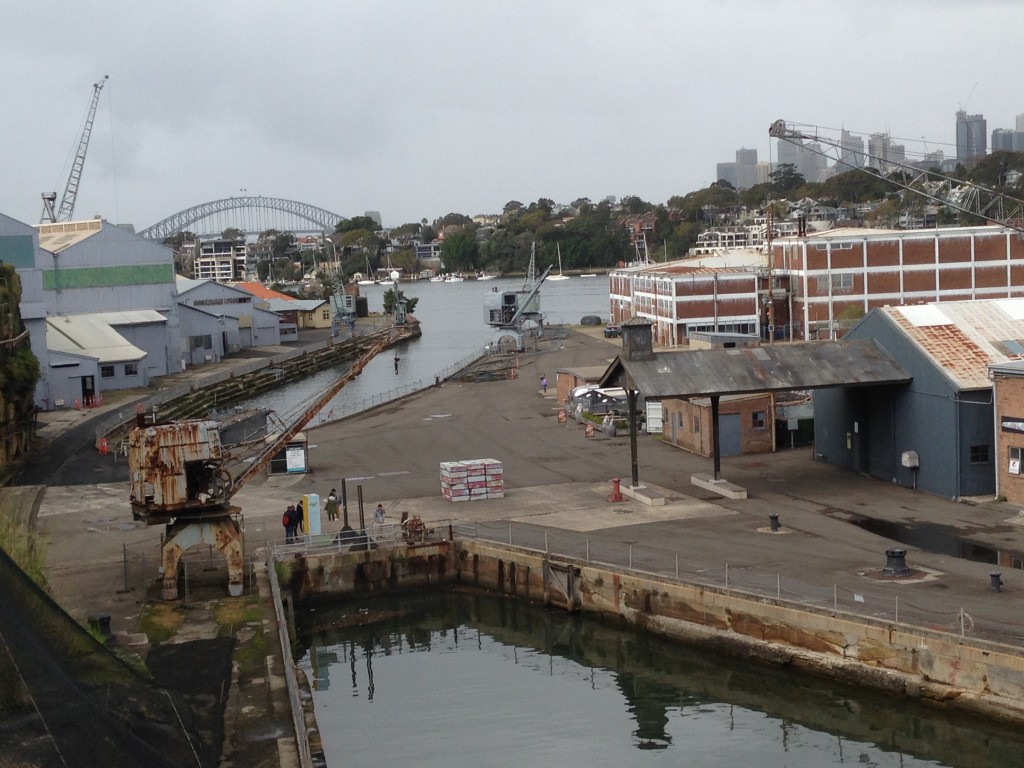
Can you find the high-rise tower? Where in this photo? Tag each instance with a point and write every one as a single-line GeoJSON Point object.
{"type": "Point", "coordinates": [971, 137]}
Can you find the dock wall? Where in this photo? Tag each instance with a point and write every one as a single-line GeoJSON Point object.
{"type": "Point", "coordinates": [939, 668]}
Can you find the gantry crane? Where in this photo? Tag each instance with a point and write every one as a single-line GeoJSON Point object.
{"type": "Point", "coordinates": [964, 196]}
{"type": "Point", "coordinates": [67, 202]}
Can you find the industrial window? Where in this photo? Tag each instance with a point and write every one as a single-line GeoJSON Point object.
{"type": "Point", "coordinates": [759, 420]}
{"type": "Point", "coordinates": [131, 369]}
{"type": "Point", "coordinates": [200, 342]}
{"type": "Point", "coordinates": [842, 282]}
{"type": "Point", "coordinates": [106, 371]}
{"type": "Point", "coordinates": [979, 454]}
{"type": "Point", "coordinates": [696, 423]}
{"type": "Point", "coordinates": [326, 314]}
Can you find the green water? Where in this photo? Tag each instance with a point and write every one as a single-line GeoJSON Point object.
{"type": "Point", "coordinates": [465, 679]}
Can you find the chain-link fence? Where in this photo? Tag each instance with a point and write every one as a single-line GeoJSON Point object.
{"type": "Point", "coordinates": [202, 571]}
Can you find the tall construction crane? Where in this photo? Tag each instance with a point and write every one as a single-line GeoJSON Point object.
{"type": "Point", "coordinates": [67, 202]}
{"type": "Point", "coordinates": [961, 195]}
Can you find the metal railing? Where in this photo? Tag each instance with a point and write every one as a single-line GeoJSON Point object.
{"type": "Point", "coordinates": [755, 582]}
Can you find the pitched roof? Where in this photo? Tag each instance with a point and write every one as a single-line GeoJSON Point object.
{"type": "Point", "coordinates": [963, 338]}
{"type": "Point", "coordinates": [93, 335]}
{"type": "Point", "coordinates": [261, 291]}
{"type": "Point", "coordinates": [796, 366]}
{"type": "Point", "coordinates": [56, 237]}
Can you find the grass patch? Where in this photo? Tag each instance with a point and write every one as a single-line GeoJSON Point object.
{"type": "Point", "coordinates": [17, 541]}
{"type": "Point", "coordinates": [285, 570]}
{"type": "Point", "coordinates": [161, 621]}
{"type": "Point", "coordinates": [238, 611]}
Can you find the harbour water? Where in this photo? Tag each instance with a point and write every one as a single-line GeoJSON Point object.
{"type": "Point", "coordinates": [447, 678]}
{"type": "Point", "coordinates": [452, 317]}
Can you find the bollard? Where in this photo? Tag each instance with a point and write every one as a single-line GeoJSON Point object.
{"type": "Point", "coordinates": [589, 429]}
{"type": "Point", "coordinates": [996, 578]}
{"type": "Point", "coordinates": [616, 490]}
{"type": "Point", "coordinates": [100, 623]}
{"type": "Point", "coordinates": [103, 445]}
{"type": "Point", "coordinates": [773, 520]}
{"type": "Point", "coordinates": [896, 563]}
{"type": "Point", "coordinates": [561, 416]}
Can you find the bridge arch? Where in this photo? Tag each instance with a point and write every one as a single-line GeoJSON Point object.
{"type": "Point", "coordinates": [252, 219]}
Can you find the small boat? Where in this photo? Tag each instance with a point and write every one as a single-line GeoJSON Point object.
{"type": "Point", "coordinates": [484, 276]}
{"type": "Point", "coordinates": [559, 276]}
{"type": "Point", "coordinates": [453, 278]}
{"type": "Point", "coordinates": [437, 279]}
{"type": "Point", "coordinates": [589, 274]}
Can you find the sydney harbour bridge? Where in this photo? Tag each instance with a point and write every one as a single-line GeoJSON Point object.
{"type": "Point", "coordinates": [252, 214]}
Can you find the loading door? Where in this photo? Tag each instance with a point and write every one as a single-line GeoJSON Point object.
{"type": "Point", "coordinates": [729, 434]}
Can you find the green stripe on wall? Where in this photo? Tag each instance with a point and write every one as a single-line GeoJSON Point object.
{"type": "Point", "coordinates": [105, 277]}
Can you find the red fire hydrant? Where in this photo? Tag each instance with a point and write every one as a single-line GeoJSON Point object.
{"type": "Point", "coordinates": [616, 493]}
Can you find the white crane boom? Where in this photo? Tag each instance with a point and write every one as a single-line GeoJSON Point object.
{"type": "Point", "coordinates": [67, 202]}
{"type": "Point", "coordinates": [965, 196]}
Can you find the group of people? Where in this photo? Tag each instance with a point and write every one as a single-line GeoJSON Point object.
{"type": "Point", "coordinates": [294, 521]}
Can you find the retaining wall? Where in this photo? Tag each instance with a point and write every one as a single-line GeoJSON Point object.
{"type": "Point", "coordinates": [937, 667]}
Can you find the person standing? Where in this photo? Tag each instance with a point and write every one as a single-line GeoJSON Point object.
{"type": "Point", "coordinates": [289, 521]}
{"type": "Point", "coordinates": [544, 384]}
{"type": "Point", "coordinates": [378, 514]}
{"type": "Point", "coordinates": [332, 505]}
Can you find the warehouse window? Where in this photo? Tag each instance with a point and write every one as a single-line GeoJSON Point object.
{"type": "Point", "coordinates": [131, 369]}
{"type": "Point", "coordinates": [759, 420]}
{"type": "Point", "coordinates": [106, 371]}
{"type": "Point", "coordinates": [1014, 457]}
{"type": "Point", "coordinates": [979, 454]}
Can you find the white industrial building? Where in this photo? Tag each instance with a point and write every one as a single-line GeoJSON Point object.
{"type": "Point", "coordinates": [218, 319]}
{"type": "Point", "coordinates": [101, 306]}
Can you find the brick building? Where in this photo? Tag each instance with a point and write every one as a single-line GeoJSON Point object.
{"type": "Point", "coordinates": [815, 286]}
{"type": "Point", "coordinates": [1008, 384]}
{"type": "Point", "coordinates": [745, 423]}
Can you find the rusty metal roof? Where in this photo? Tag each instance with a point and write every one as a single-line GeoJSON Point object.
{"type": "Point", "coordinates": [964, 338]}
{"type": "Point", "coordinates": [773, 368]}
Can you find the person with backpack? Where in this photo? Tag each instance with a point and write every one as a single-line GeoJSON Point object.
{"type": "Point", "coordinates": [290, 521]}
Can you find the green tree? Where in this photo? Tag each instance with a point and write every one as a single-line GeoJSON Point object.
{"type": "Point", "coordinates": [391, 298]}
{"type": "Point", "coordinates": [175, 241]}
{"type": "Point", "coordinates": [232, 233]}
{"type": "Point", "coordinates": [459, 251]}
{"type": "Point", "coordinates": [786, 179]}
{"type": "Point", "coordinates": [356, 222]}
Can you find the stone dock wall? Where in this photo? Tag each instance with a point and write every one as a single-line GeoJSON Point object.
{"type": "Point", "coordinates": [939, 668]}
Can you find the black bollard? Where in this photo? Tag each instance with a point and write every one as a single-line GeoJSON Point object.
{"type": "Point", "coordinates": [773, 519]}
{"type": "Point", "coordinates": [996, 578]}
{"type": "Point", "coordinates": [896, 563]}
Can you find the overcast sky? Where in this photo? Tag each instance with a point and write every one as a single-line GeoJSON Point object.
{"type": "Point", "coordinates": [418, 108]}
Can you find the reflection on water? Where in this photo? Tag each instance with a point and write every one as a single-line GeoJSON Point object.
{"type": "Point", "coordinates": [448, 678]}
{"type": "Point", "coordinates": [452, 317]}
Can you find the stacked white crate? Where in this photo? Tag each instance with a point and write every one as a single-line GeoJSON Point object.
{"type": "Point", "coordinates": [472, 479]}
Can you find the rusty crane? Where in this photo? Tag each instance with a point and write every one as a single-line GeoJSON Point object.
{"type": "Point", "coordinates": [180, 476]}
